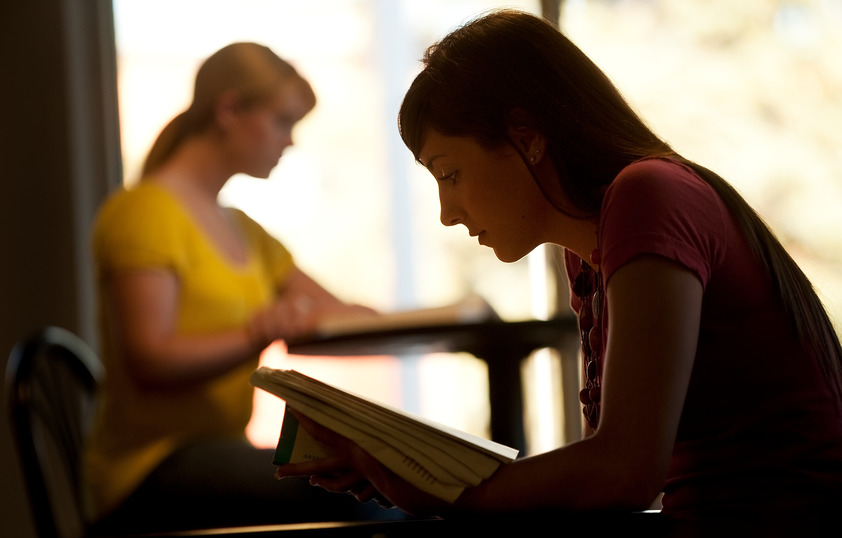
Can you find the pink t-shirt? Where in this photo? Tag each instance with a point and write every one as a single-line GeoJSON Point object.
{"type": "Point", "coordinates": [759, 426]}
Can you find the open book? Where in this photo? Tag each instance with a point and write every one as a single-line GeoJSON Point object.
{"type": "Point", "coordinates": [472, 309]}
{"type": "Point", "coordinates": [435, 458]}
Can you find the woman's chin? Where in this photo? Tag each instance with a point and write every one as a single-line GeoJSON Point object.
{"type": "Point", "coordinates": [508, 257]}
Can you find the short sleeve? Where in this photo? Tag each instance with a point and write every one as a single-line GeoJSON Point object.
{"type": "Point", "coordinates": [276, 259]}
{"type": "Point", "coordinates": [138, 229]}
{"type": "Point", "coordinates": [661, 207]}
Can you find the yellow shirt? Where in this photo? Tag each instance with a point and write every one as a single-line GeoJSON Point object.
{"type": "Point", "coordinates": [147, 227]}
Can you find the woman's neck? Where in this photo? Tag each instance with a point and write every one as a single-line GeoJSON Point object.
{"type": "Point", "coordinates": [196, 168]}
{"type": "Point", "coordinates": [577, 235]}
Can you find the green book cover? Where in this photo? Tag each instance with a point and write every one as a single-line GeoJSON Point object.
{"type": "Point", "coordinates": [296, 445]}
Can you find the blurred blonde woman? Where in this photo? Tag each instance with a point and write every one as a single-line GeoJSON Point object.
{"type": "Point", "coordinates": [190, 293]}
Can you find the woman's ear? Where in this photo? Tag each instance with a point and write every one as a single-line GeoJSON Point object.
{"type": "Point", "coordinates": [226, 108]}
{"type": "Point", "coordinates": [528, 141]}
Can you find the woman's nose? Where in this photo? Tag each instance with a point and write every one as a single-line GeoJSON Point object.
{"type": "Point", "coordinates": [449, 217]}
{"type": "Point", "coordinates": [451, 221]}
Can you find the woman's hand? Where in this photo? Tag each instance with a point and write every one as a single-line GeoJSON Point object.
{"type": "Point", "coordinates": [297, 311]}
{"type": "Point", "coordinates": [281, 320]}
{"type": "Point", "coordinates": [352, 470]}
{"type": "Point", "coordinates": [335, 474]}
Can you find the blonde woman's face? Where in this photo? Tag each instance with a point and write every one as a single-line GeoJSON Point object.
{"type": "Point", "coordinates": [260, 133]}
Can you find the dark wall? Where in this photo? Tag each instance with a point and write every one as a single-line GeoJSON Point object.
{"type": "Point", "coordinates": [59, 156]}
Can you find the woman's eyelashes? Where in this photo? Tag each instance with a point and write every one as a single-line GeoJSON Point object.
{"type": "Point", "coordinates": [448, 176]}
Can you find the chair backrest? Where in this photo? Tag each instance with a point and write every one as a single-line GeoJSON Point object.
{"type": "Point", "coordinates": [51, 383]}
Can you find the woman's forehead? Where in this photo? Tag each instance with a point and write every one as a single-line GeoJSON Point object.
{"type": "Point", "coordinates": [436, 145]}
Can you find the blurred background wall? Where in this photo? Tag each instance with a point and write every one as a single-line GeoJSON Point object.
{"type": "Point", "coordinates": [59, 156]}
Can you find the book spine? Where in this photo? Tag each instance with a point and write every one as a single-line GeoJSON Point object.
{"type": "Point", "coordinates": [286, 443]}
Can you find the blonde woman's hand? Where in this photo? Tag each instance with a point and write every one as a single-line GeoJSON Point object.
{"type": "Point", "coordinates": [285, 318]}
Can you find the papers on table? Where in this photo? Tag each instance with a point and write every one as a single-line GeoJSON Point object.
{"type": "Point", "coordinates": [472, 309]}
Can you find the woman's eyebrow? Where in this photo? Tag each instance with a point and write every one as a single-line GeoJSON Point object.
{"type": "Point", "coordinates": [429, 164]}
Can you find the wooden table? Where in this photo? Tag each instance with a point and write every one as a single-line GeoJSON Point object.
{"type": "Point", "coordinates": [608, 524]}
{"type": "Point", "coordinates": [501, 345]}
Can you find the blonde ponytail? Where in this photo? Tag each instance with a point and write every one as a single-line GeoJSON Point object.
{"type": "Point", "coordinates": [250, 69]}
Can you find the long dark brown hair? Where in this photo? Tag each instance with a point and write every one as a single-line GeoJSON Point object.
{"type": "Point", "coordinates": [507, 64]}
{"type": "Point", "coordinates": [252, 70]}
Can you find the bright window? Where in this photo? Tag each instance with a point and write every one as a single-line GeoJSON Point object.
{"type": "Point", "coordinates": [749, 89]}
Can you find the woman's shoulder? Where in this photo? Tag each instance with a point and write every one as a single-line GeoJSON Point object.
{"type": "Point", "coordinates": [138, 198]}
{"type": "Point", "coordinates": [663, 207]}
{"type": "Point", "coordinates": [143, 194]}
{"type": "Point", "coordinates": [144, 209]}
{"type": "Point", "coordinates": [661, 173]}
{"type": "Point", "coordinates": [655, 182]}
{"type": "Point", "coordinates": [247, 224]}
{"type": "Point", "coordinates": [268, 248]}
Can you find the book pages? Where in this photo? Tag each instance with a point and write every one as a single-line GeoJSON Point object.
{"type": "Point", "coordinates": [472, 309]}
{"type": "Point", "coordinates": [437, 459]}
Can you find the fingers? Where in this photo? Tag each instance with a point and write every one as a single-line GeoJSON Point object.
{"type": "Point", "coordinates": [338, 443]}
{"type": "Point", "coordinates": [285, 319]}
{"type": "Point", "coordinates": [347, 472]}
{"type": "Point", "coordinates": [383, 502]}
{"type": "Point", "coordinates": [350, 482]}
{"type": "Point", "coordinates": [353, 484]}
{"type": "Point", "coordinates": [328, 466]}
{"type": "Point", "coordinates": [281, 320]}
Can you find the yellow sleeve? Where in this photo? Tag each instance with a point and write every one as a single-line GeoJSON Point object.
{"type": "Point", "coordinates": [138, 229]}
{"type": "Point", "coordinates": [277, 260]}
